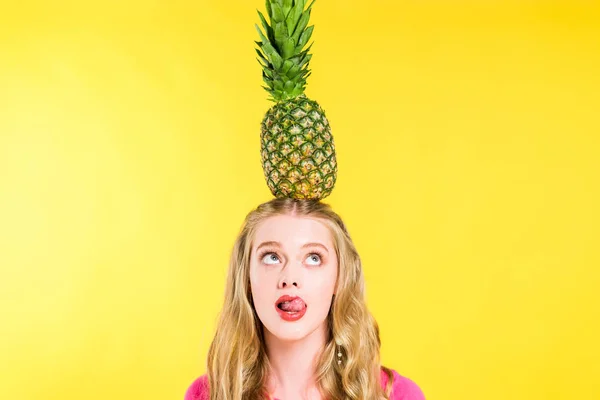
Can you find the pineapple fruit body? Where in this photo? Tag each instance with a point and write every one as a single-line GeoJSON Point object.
{"type": "Point", "coordinates": [297, 150]}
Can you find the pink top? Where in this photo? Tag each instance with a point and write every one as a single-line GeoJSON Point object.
{"type": "Point", "coordinates": [402, 388]}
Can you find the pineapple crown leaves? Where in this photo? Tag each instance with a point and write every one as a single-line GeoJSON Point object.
{"type": "Point", "coordinates": [281, 48]}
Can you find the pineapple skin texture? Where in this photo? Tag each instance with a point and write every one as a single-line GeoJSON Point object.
{"type": "Point", "coordinates": [297, 150]}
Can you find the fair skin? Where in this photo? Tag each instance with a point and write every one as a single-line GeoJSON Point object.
{"type": "Point", "coordinates": [295, 256]}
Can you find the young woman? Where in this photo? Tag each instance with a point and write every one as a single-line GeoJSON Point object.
{"type": "Point", "coordinates": [294, 323]}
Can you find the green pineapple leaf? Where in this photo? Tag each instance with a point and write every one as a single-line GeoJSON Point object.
{"type": "Point", "coordinates": [301, 25]}
{"type": "Point", "coordinates": [298, 57]}
{"type": "Point", "coordinates": [277, 15]}
{"type": "Point", "coordinates": [268, 81]}
{"type": "Point", "coordinates": [261, 55]}
{"type": "Point", "coordinates": [262, 64]}
{"type": "Point", "coordinates": [297, 90]}
{"type": "Point", "coordinates": [268, 72]}
{"type": "Point", "coordinates": [280, 34]}
{"type": "Point", "coordinates": [287, 6]}
{"type": "Point", "coordinates": [264, 40]}
{"type": "Point", "coordinates": [288, 48]}
{"type": "Point", "coordinates": [304, 71]}
{"type": "Point", "coordinates": [287, 64]}
{"type": "Point", "coordinates": [289, 86]}
{"type": "Point", "coordinates": [294, 16]}
{"type": "Point", "coordinates": [266, 27]}
{"type": "Point", "coordinates": [269, 10]}
{"type": "Point", "coordinates": [305, 37]}
{"type": "Point", "coordinates": [275, 58]}
{"type": "Point", "coordinates": [269, 50]}
{"type": "Point", "coordinates": [293, 72]}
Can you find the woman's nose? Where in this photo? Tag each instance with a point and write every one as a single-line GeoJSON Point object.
{"type": "Point", "coordinates": [291, 275]}
{"type": "Point", "coordinates": [289, 278]}
{"type": "Point", "coordinates": [284, 283]}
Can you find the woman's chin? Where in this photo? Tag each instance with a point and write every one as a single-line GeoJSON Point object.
{"type": "Point", "coordinates": [289, 333]}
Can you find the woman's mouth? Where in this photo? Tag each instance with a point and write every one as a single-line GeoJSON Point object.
{"type": "Point", "coordinates": [290, 308]}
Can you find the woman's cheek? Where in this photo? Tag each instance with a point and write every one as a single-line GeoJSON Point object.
{"type": "Point", "coordinates": [329, 276]}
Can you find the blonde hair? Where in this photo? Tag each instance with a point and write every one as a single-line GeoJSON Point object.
{"type": "Point", "coordinates": [237, 360]}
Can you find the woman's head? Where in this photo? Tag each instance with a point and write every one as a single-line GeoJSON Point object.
{"type": "Point", "coordinates": [293, 271]}
{"type": "Point", "coordinates": [299, 248]}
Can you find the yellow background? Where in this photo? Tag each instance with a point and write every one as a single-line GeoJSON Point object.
{"type": "Point", "coordinates": [468, 141]}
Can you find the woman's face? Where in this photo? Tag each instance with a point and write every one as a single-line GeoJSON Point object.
{"type": "Point", "coordinates": [292, 256]}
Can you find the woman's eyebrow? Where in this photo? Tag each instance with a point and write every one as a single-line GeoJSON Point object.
{"type": "Point", "coordinates": [269, 244]}
{"type": "Point", "coordinates": [316, 245]}
{"type": "Point", "coordinates": [272, 243]}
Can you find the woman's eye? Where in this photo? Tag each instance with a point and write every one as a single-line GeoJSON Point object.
{"type": "Point", "coordinates": [270, 258]}
{"type": "Point", "coordinates": [313, 259]}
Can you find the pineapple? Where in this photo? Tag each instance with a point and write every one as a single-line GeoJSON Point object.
{"type": "Point", "coordinates": [297, 148]}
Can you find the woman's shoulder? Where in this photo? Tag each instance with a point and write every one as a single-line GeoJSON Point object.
{"type": "Point", "coordinates": [402, 387]}
{"type": "Point", "coordinates": [198, 390]}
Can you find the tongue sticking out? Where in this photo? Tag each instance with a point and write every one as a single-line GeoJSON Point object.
{"type": "Point", "coordinates": [295, 305]}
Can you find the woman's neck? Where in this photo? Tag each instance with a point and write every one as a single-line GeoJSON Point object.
{"type": "Point", "coordinates": [293, 365]}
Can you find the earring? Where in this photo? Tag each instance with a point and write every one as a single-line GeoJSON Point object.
{"type": "Point", "coordinates": [339, 354]}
